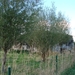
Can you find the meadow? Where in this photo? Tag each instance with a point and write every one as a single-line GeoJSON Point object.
{"type": "Point", "coordinates": [25, 63]}
{"type": "Point", "coordinates": [69, 71]}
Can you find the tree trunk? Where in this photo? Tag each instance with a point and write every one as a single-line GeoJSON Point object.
{"type": "Point", "coordinates": [32, 49]}
{"type": "Point", "coordinates": [4, 62]}
{"type": "Point", "coordinates": [61, 50]}
{"type": "Point", "coordinates": [43, 56]}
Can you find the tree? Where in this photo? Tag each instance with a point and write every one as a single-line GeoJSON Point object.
{"type": "Point", "coordinates": [16, 18]}
{"type": "Point", "coordinates": [50, 30]}
{"type": "Point", "coordinates": [58, 25]}
{"type": "Point", "coordinates": [42, 41]}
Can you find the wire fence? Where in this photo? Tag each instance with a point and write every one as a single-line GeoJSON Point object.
{"type": "Point", "coordinates": [21, 65]}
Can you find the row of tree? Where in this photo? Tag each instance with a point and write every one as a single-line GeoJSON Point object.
{"type": "Point", "coordinates": [26, 20]}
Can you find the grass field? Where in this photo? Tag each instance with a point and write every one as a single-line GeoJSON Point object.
{"type": "Point", "coordinates": [69, 71]}
{"type": "Point", "coordinates": [32, 64]}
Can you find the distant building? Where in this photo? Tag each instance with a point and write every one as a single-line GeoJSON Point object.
{"type": "Point", "coordinates": [69, 46]}
{"type": "Point", "coordinates": [20, 46]}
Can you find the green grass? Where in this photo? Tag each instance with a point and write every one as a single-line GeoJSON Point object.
{"type": "Point", "coordinates": [69, 71]}
{"type": "Point", "coordinates": [31, 64]}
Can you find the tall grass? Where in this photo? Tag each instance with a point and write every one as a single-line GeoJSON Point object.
{"type": "Point", "coordinates": [31, 64]}
{"type": "Point", "coordinates": [69, 71]}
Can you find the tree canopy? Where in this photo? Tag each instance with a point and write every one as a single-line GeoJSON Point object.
{"type": "Point", "coordinates": [52, 29]}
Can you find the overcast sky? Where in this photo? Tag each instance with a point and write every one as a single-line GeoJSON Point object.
{"type": "Point", "coordinates": [67, 7]}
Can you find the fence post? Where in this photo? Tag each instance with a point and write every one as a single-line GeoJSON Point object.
{"type": "Point", "coordinates": [9, 70]}
{"type": "Point", "coordinates": [56, 64]}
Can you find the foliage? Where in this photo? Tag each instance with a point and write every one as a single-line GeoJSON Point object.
{"type": "Point", "coordinates": [17, 18]}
